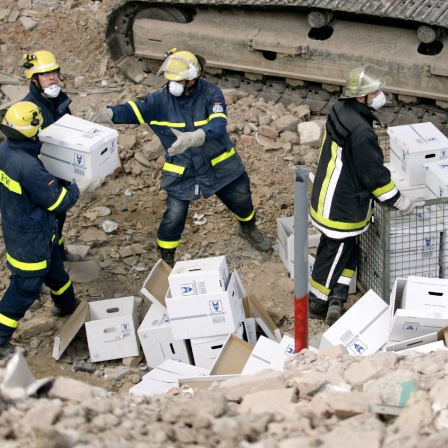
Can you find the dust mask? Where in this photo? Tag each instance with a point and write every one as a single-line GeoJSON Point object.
{"type": "Point", "coordinates": [175, 88]}
{"type": "Point", "coordinates": [379, 101]}
{"type": "Point", "coordinates": [53, 91]}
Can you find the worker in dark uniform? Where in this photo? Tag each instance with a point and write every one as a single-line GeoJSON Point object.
{"type": "Point", "coordinates": [350, 174]}
{"type": "Point", "coordinates": [30, 198]}
{"type": "Point", "coordinates": [42, 69]}
{"type": "Point", "coordinates": [189, 117]}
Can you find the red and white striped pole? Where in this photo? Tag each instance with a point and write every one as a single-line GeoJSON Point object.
{"type": "Point", "coordinates": [301, 268]}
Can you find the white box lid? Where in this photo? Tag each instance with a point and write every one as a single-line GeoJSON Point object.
{"type": "Point", "coordinates": [76, 133]}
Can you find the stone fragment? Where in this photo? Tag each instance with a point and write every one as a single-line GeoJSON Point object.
{"type": "Point", "coordinates": [36, 326]}
{"type": "Point", "coordinates": [70, 389]}
{"type": "Point", "coordinates": [28, 23]}
{"type": "Point", "coordinates": [275, 401]}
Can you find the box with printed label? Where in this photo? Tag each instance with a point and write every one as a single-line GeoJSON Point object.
{"type": "Point", "coordinates": [156, 339]}
{"type": "Point", "coordinates": [285, 349]}
{"type": "Point", "coordinates": [201, 276]}
{"type": "Point", "coordinates": [363, 329]}
{"type": "Point", "coordinates": [411, 146]}
{"type": "Point", "coordinates": [419, 342]}
{"type": "Point", "coordinates": [74, 148]}
{"type": "Point", "coordinates": [111, 327]}
{"type": "Point", "coordinates": [202, 315]}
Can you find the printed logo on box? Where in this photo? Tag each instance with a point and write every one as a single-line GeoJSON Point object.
{"type": "Point", "coordinates": [188, 289]}
{"type": "Point", "coordinates": [125, 327]}
{"type": "Point", "coordinates": [358, 347]}
{"type": "Point", "coordinates": [443, 153]}
{"type": "Point", "coordinates": [411, 326]}
{"type": "Point", "coordinates": [80, 160]}
{"type": "Point", "coordinates": [443, 166]}
{"type": "Point", "coordinates": [216, 307]}
{"type": "Point", "coordinates": [403, 157]}
{"type": "Point", "coordinates": [289, 350]}
{"type": "Point", "coordinates": [441, 192]}
{"type": "Point", "coordinates": [95, 131]}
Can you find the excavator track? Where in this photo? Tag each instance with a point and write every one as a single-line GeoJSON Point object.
{"type": "Point", "coordinates": [296, 50]}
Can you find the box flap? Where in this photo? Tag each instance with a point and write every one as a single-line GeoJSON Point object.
{"type": "Point", "coordinates": [233, 356]}
{"type": "Point", "coordinates": [203, 382]}
{"type": "Point", "coordinates": [156, 285]}
{"type": "Point", "coordinates": [70, 329]}
{"type": "Point", "coordinates": [263, 319]}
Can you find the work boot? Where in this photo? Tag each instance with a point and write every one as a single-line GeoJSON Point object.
{"type": "Point", "coordinates": [335, 310]}
{"type": "Point", "coordinates": [317, 308]}
{"type": "Point", "coordinates": [6, 352]}
{"type": "Point", "coordinates": [68, 256]}
{"type": "Point", "coordinates": [249, 231]}
{"type": "Point", "coordinates": [57, 311]}
{"type": "Point", "coordinates": [167, 256]}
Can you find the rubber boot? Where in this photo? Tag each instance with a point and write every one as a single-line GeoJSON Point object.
{"type": "Point", "coordinates": [57, 311]}
{"type": "Point", "coordinates": [317, 308]}
{"type": "Point", "coordinates": [167, 256]}
{"type": "Point", "coordinates": [249, 231]}
{"type": "Point", "coordinates": [335, 310]}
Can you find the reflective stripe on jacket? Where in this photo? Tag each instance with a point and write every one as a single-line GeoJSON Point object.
{"type": "Point", "coordinates": [350, 173]}
{"type": "Point", "coordinates": [29, 198]}
{"type": "Point", "coordinates": [204, 169]}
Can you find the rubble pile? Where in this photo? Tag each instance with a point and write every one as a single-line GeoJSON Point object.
{"type": "Point", "coordinates": [325, 399]}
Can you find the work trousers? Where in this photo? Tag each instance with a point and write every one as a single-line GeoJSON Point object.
{"type": "Point", "coordinates": [236, 196]}
{"type": "Point", "coordinates": [23, 291]}
{"type": "Point", "coordinates": [335, 265]}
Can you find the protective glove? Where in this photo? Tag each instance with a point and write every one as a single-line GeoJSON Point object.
{"type": "Point", "coordinates": [405, 205]}
{"type": "Point", "coordinates": [87, 185]}
{"type": "Point", "coordinates": [186, 140]}
{"type": "Point", "coordinates": [96, 115]}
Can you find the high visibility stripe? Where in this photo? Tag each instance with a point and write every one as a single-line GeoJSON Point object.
{"type": "Point", "coordinates": [11, 323]}
{"type": "Point", "coordinates": [167, 123]}
{"type": "Point", "coordinates": [26, 266]}
{"type": "Point", "coordinates": [386, 192]}
{"type": "Point", "coordinates": [321, 288]}
{"type": "Point", "coordinates": [136, 112]}
{"type": "Point", "coordinates": [168, 244]}
{"type": "Point", "coordinates": [338, 225]}
{"type": "Point", "coordinates": [337, 234]}
{"type": "Point", "coordinates": [61, 291]}
{"type": "Point", "coordinates": [246, 219]}
{"type": "Point", "coordinates": [344, 280]}
{"type": "Point", "coordinates": [334, 169]}
{"type": "Point", "coordinates": [348, 273]}
{"type": "Point", "coordinates": [223, 156]}
{"type": "Point", "coordinates": [334, 264]}
{"type": "Point", "coordinates": [173, 168]}
{"type": "Point", "coordinates": [53, 237]}
{"type": "Point", "coordinates": [9, 183]}
{"type": "Point", "coordinates": [61, 197]}
{"type": "Point", "coordinates": [207, 120]}
{"type": "Point", "coordinates": [61, 240]}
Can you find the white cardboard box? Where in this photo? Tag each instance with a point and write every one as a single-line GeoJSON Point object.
{"type": "Point", "coordinates": [411, 146]}
{"type": "Point", "coordinates": [285, 349]}
{"type": "Point", "coordinates": [204, 315]}
{"type": "Point", "coordinates": [426, 294]}
{"type": "Point", "coordinates": [77, 148]}
{"type": "Point", "coordinates": [261, 356]}
{"type": "Point", "coordinates": [156, 339]}
{"type": "Point", "coordinates": [429, 339]}
{"type": "Point", "coordinates": [201, 276]}
{"type": "Point", "coordinates": [165, 377]}
{"type": "Point", "coordinates": [205, 350]}
{"type": "Point", "coordinates": [111, 329]}
{"type": "Point", "coordinates": [285, 236]}
{"type": "Point", "coordinates": [363, 329]}
{"type": "Point", "coordinates": [436, 179]}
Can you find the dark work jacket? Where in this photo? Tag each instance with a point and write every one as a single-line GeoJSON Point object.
{"type": "Point", "coordinates": [204, 169]}
{"type": "Point", "coordinates": [350, 173]}
{"type": "Point", "coordinates": [29, 198]}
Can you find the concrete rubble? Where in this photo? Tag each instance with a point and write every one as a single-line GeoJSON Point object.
{"type": "Point", "coordinates": [319, 400]}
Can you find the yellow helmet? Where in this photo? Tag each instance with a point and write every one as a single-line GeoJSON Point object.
{"type": "Point", "coordinates": [180, 65]}
{"type": "Point", "coordinates": [22, 121]}
{"type": "Point", "coordinates": [364, 80]}
{"type": "Point", "coordinates": [39, 62]}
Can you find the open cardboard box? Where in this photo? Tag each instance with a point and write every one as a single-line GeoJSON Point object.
{"type": "Point", "coordinates": [426, 340]}
{"type": "Point", "coordinates": [111, 327]}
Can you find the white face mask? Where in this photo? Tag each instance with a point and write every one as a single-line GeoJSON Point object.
{"type": "Point", "coordinates": [53, 91]}
{"type": "Point", "coordinates": [175, 88]}
{"type": "Point", "coordinates": [379, 101]}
